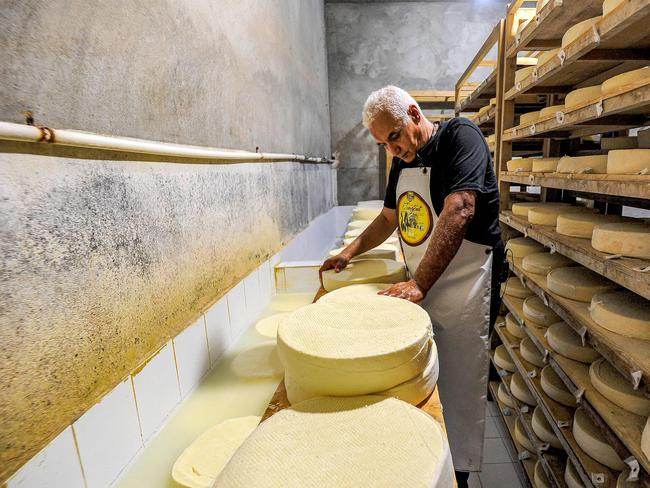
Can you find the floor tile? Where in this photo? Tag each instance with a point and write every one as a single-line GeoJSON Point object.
{"type": "Point", "coordinates": [491, 429]}
{"type": "Point", "coordinates": [499, 476]}
{"type": "Point", "coordinates": [474, 481]}
{"type": "Point", "coordinates": [491, 409]}
{"type": "Point", "coordinates": [494, 451]}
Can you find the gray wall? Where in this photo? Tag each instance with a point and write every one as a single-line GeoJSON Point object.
{"type": "Point", "coordinates": [103, 260]}
{"type": "Point", "coordinates": [414, 45]}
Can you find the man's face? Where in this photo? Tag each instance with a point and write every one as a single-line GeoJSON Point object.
{"type": "Point", "coordinates": [401, 140]}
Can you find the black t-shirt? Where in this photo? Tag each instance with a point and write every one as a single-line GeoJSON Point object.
{"type": "Point", "coordinates": [459, 159]}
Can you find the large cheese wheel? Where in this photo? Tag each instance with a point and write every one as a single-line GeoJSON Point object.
{"type": "Point", "coordinates": [540, 478]}
{"type": "Point", "coordinates": [536, 311]}
{"type": "Point", "coordinates": [344, 294]}
{"type": "Point", "coordinates": [543, 262]}
{"type": "Point", "coordinates": [619, 142]}
{"type": "Point", "coordinates": [546, 56]}
{"type": "Point", "coordinates": [627, 238]}
{"type": "Point", "coordinates": [513, 287]}
{"type": "Point", "coordinates": [503, 360]}
{"type": "Point", "coordinates": [522, 73]}
{"type": "Point", "coordinates": [543, 429]}
{"type": "Point", "coordinates": [520, 164]}
{"type": "Point", "coordinates": [505, 397]}
{"type": "Point", "coordinates": [529, 117]}
{"type": "Point", "coordinates": [571, 476]}
{"type": "Point", "coordinates": [530, 352]}
{"type": "Point", "coordinates": [628, 161]}
{"type": "Point", "coordinates": [519, 247]}
{"type": "Point", "coordinates": [365, 271]}
{"type": "Point", "coordinates": [545, 165]}
{"type": "Point", "coordinates": [591, 440]}
{"type": "Point", "coordinates": [596, 164]}
{"type": "Point", "coordinates": [555, 388]}
{"type": "Point", "coordinates": [359, 224]}
{"type": "Point", "coordinates": [521, 209]}
{"type": "Point", "coordinates": [339, 442]}
{"type": "Point", "coordinates": [581, 96]}
{"type": "Point", "coordinates": [513, 327]}
{"type": "Point", "coordinates": [550, 111]}
{"type": "Point", "coordinates": [624, 81]}
{"type": "Point", "coordinates": [365, 345]}
{"type": "Point", "coordinates": [382, 251]}
{"type": "Point", "coordinates": [613, 386]}
{"type": "Point", "coordinates": [523, 439]}
{"type": "Point", "coordinates": [520, 390]}
{"type": "Point", "coordinates": [568, 343]}
{"type": "Point", "coordinates": [622, 312]}
{"type": "Point", "coordinates": [268, 326]}
{"type": "Point", "coordinates": [578, 29]}
{"type": "Point", "coordinates": [548, 215]}
{"type": "Point", "coordinates": [645, 439]}
{"type": "Point", "coordinates": [577, 283]}
{"type": "Point", "coordinates": [609, 5]}
{"type": "Point", "coordinates": [582, 224]}
{"type": "Point", "coordinates": [391, 240]}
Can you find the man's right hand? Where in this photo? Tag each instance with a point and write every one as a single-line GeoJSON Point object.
{"type": "Point", "coordinates": [337, 263]}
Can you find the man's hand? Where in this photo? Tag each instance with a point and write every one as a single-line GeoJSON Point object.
{"type": "Point", "coordinates": [337, 263]}
{"type": "Point", "coordinates": [408, 290]}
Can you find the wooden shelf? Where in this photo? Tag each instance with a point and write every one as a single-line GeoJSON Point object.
{"type": "Point", "coordinates": [481, 95]}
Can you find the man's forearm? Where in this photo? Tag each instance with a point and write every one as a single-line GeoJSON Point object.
{"type": "Point", "coordinates": [376, 233]}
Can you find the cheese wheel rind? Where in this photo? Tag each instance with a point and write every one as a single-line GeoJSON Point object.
{"type": "Point", "coordinates": [546, 56]}
{"type": "Point", "coordinates": [522, 437]}
{"type": "Point", "coordinates": [530, 353]}
{"type": "Point", "coordinates": [582, 225]}
{"type": "Point", "coordinates": [591, 440]}
{"type": "Point", "coordinates": [520, 165]}
{"type": "Point", "coordinates": [571, 476]}
{"type": "Point", "coordinates": [539, 476]}
{"type": "Point", "coordinates": [513, 327]}
{"type": "Point", "coordinates": [536, 311]}
{"type": "Point", "coordinates": [365, 271]}
{"type": "Point", "coordinates": [543, 429]}
{"type": "Point", "coordinates": [521, 208]}
{"type": "Point", "coordinates": [622, 312]}
{"type": "Point", "coordinates": [520, 390]}
{"type": "Point", "coordinates": [578, 29]}
{"type": "Point", "coordinates": [505, 397]}
{"type": "Point", "coordinates": [628, 161]}
{"type": "Point", "coordinates": [583, 164]}
{"type": "Point", "coordinates": [518, 247]}
{"type": "Point", "coordinates": [577, 283]}
{"type": "Point", "coordinates": [624, 80]}
{"type": "Point", "coordinates": [545, 165]}
{"type": "Point", "coordinates": [529, 118]}
{"type": "Point", "coordinates": [543, 262]}
{"type": "Point", "coordinates": [613, 386]}
{"type": "Point", "coordinates": [513, 287]}
{"type": "Point", "coordinates": [555, 388]}
{"type": "Point", "coordinates": [550, 111]}
{"type": "Point", "coordinates": [548, 215]}
{"type": "Point", "coordinates": [581, 96]}
{"type": "Point", "coordinates": [631, 239]}
{"type": "Point", "coordinates": [565, 341]}
{"type": "Point", "coordinates": [503, 360]}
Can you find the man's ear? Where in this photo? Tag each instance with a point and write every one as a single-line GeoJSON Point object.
{"type": "Point", "coordinates": [414, 114]}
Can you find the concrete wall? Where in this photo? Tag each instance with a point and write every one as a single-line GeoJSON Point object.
{"type": "Point", "coordinates": [414, 45]}
{"type": "Point", "coordinates": [103, 260]}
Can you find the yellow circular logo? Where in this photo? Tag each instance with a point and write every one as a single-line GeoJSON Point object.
{"type": "Point", "coordinates": [414, 218]}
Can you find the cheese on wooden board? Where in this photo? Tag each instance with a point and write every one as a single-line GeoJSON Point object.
{"type": "Point", "coordinates": [504, 396]}
{"type": "Point", "coordinates": [577, 283]}
{"type": "Point", "coordinates": [571, 476]}
{"type": "Point", "coordinates": [365, 271]}
{"type": "Point", "coordinates": [529, 117]}
{"type": "Point", "coordinates": [530, 352]}
{"type": "Point", "coordinates": [260, 361]}
{"type": "Point", "coordinates": [622, 312]}
{"type": "Point", "coordinates": [645, 439]}
{"type": "Point", "coordinates": [582, 225]}
{"type": "Point", "coordinates": [268, 326]}
{"type": "Point", "coordinates": [520, 390]}
{"type": "Point", "coordinates": [391, 240]}
{"type": "Point", "coordinates": [624, 81]}
{"type": "Point", "coordinates": [523, 439]}
{"type": "Point", "coordinates": [596, 164]}
{"type": "Point", "coordinates": [618, 390]}
{"type": "Point", "coordinates": [581, 96]}
{"type": "Point", "coordinates": [609, 5]}
{"type": "Point", "coordinates": [620, 142]}
{"type": "Point", "coordinates": [543, 262]}
{"type": "Point", "coordinates": [578, 29]}
{"type": "Point", "coordinates": [520, 164]}
{"type": "Point", "coordinates": [382, 251]}
{"type": "Point", "coordinates": [551, 111]}
{"type": "Point", "coordinates": [548, 215]}
{"type": "Point", "coordinates": [366, 344]}
{"type": "Point", "coordinates": [519, 247]}
{"type": "Point", "coordinates": [546, 56]}
{"type": "Point", "coordinates": [536, 311]}
{"type": "Point", "coordinates": [545, 165]}
{"type": "Point", "coordinates": [522, 73]}
{"type": "Point", "coordinates": [343, 294]}
{"type": "Point", "coordinates": [628, 161]}
{"type": "Point", "coordinates": [543, 429]}
{"type": "Point", "coordinates": [521, 209]}
{"type": "Point", "coordinates": [540, 478]}
{"type": "Point", "coordinates": [503, 360]}
{"type": "Point", "coordinates": [365, 213]}
{"type": "Point", "coordinates": [555, 388]}
{"type": "Point", "coordinates": [513, 327]}
{"type": "Point", "coordinates": [568, 343]}
{"type": "Point", "coordinates": [630, 239]}
{"type": "Point", "coordinates": [591, 440]}
{"type": "Point", "coordinates": [202, 461]}
{"type": "Point", "coordinates": [513, 287]}
{"type": "Point", "coordinates": [343, 443]}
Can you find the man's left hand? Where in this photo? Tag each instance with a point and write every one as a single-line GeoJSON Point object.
{"type": "Point", "coordinates": [408, 290]}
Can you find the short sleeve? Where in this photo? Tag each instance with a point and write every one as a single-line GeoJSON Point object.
{"type": "Point", "coordinates": [390, 200]}
{"type": "Point", "coordinates": [468, 158]}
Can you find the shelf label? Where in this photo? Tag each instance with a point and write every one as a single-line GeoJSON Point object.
{"type": "Point", "coordinates": [562, 56]}
{"type": "Point", "coordinates": [506, 411]}
{"type": "Point", "coordinates": [559, 117]}
{"type": "Point", "coordinates": [502, 373]}
{"type": "Point", "coordinates": [544, 299]}
{"type": "Point", "coordinates": [544, 447]}
{"type": "Point", "coordinates": [634, 468]}
{"type": "Point", "coordinates": [578, 394]}
{"type": "Point", "coordinates": [522, 456]}
{"type": "Point", "coordinates": [545, 356]}
{"type": "Point", "coordinates": [552, 247]}
{"type": "Point", "coordinates": [525, 231]}
{"type": "Point", "coordinates": [532, 130]}
{"type": "Point", "coordinates": [535, 74]}
{"type": "Point", "coordinates": [524, 409]}
{"type": "Point", "coordinates": [636, 378]}
{"type": "Point", "coordinates": [563, 423]}
{"type": "Point", "coordinates": [599, 107]}
{"type": "Point", "coordinates": [595, 34]}
{"type": "Point", "coordinates": [583, 335]}
{"type": "Point", "coordinates": [532, 374]}
{"type": "Point", "coordinates": [597, 478]}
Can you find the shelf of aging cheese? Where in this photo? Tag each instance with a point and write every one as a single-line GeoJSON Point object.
{"type": "Point", "coordinates": [558, 416]}
{"type": "Point", "coordinates": [620, 427]}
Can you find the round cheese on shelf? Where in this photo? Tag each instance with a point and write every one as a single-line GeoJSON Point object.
{"type": "Point", "coordinates": [591, 440]}
{"type": "Point", "coordinates": [620, 142]}
{"type": "Point", "coordinates": [519, 247]}
{"type": "Point", "coordinates": [543, 429]}
{"type": "Point", "coordinates": [578, 29]}
{"type": "Point", "coordinates": [581, 96]}
{"type": "Point", "coordinates": [523, 439]}
{"type": "Point", "coordinates": [568, 343]}
{"type": "Point", "coordinates": [393, 241]}
{"type": "Point", "coordinates": [536, 311]}
{"type": "Point", "coordinates": [503, 360]}
{"type": "Point", "coordinates": [596, 164]}
{"type": "Point", "coordinates": [550, 111]}
{"type": "Point", "coordinates": [545, 165]}
{"type": "Point", "coordinates": [520, 164]}
{"type": "Point", "coordinates": [582, 225]}
{"type": "Point", "coordinates": [577, 283]}
{"type": "Point", "coordinates": [513, 287]}
{"type": "Point", "coordinates": [645, 439]}
{"type": "Point", "coordinates": [628, 80]}
{"type": "Point", "coordinates": [483, 110]}
{"type": "Point", "coordinates": [609, 5]}
{"type": "Point", "coordinates": [630, 239]}
{"type": "Point", "coordinates": [344, 294]}
{"type": "Point", "coordinates": [366, 344]}
{"type": "Point", "coordinates": [521, 209]}
{"type": "Point", "coordinates": [338, 442]}
{"type": "Point", "coordinates": [628, 161]}
{"type": "Point", "coordinates": [365, 213]}
{"type": "Point", "coordinates": [513, 327]}
{"type": "Point", "coordinates": [548, 215]}
{"type": "Point", "coordinates": [618, 390]}
{"type": "Point", "coordinates": [522, 73]}
{"type": "Point", "coordinates": [540, 478]}
{"type": "Point", "coordinates": [382, 251]}
{"type": "Point", "coordinates": [543, 262]}
{"type": "Point", "coordinates": [365, 271]}
{"type": "Point", "coordinates": [555, 388]}
{"type": "Point", "coordinates": [546, 56]}
{"type": "Point", "coordinates": [530, 353]}
{"type": "Point", "coordinates": [359, 224]}
{"type": "Point", "coordinates": [504, 396]}
{"type": "Point", "coordinates": [571, 476]}
{"type": "Point", "coordinates": [529, 117]}
{"type": "Point", "coordinates": [268, 326]}
{"type": "Point", "coordinates": [622, 312]}
{"type": "Point", "coordinates": [520, 390]}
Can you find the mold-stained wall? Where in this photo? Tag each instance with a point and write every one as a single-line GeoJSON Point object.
{"type": "Point", "coordinates": [103, 260]}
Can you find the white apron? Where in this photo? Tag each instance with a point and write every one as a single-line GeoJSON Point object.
{"type": "Point", "coordinates": [459, 307]}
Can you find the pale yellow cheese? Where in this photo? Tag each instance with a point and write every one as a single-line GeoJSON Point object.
{"type": "Point", "coordinates": [578, 29]}
{"type": "Point", "coordinates": [513, 327]}
{"type": "Point", "coordinates": [530, 352]}
{"type": "Point", "coordinates": [493, 101]}
{"type": "Point", "coordinates": [521, 209]}
{"type": "Point", "coordinates": [268, 326]}
{"type": "Point", "coordinates": [620, 142]}
{"type": "Point", "coordinates": [582, 225]}
{"type": "Point", "coordinates": [565, 341]}
{"type": "Point", "coordinates": [577, 283]}
{"type": "Point", "coordinates": [548, 214]}
{"type": "Point", "coordinates": [555, 388]}
{"type": "Point", "coordinates": [545, 165]}
{"type": "Point", "coordinates": [591, 440]}
{"type": "Point", "coordinates": [645, 439]}
{"type": "Point", "coordinates": [618, 390]}
{"type": "Point", "coordinates": [382, 251]}
{"type": "Point", "coordinates": [483, 110]}
{"type": "Point", "coordinates": [393, 241]}
{"type": "Point", "coordinates": [503, 360]}
{"type": "Point", "coordinates": [359, 224]}
{"type": "Point", "coordinates": [518, 247]}
{"type": "Point", "coordinates": [365, 213]}
{"type": "Point", "coordinates": [536, 311]}
{"type": "Point", "coordinates": [523, 439]}
{"type": "Point", "coordinates": [365, 271]}
{"type": "Point", "coordinates": [624, 81]}
{"type": "Point", "coordinates": [550, 111]}
{"type": "Point", "coordinates": [520, 164]}
{"type": "Point", "coordinates": [626, 238]}
{"type": "Point", "coordinates": [261, 361]}
{"type": "Point", "coordinates": [546, 56]}
{"type": "Point", "coordinates": [520, 390]}
{"type": "Point", "coordinates": [581, 96]}
{"type": "Point", "coordinates": [628, 161]}
{"type": "Point", "coordinates": [543, 262]}
{"type": "Point", "coordinates": [345, 293]}
{"type": "Point", "coordinates": [622, 312]}
{"type": "Point", "coordinates": [596, 164]}
{"type": "Point", "coordinates": [505, 397]}
{"type": "Point", "coordinates": [513, 287]}
{"type": "Point", "coordinates": [529, 117]}
{"type": "Point", "coordinates": [522, 73]}
{"type": "Point", "coordinates": [540, 478]}
{"type": "Point", "coordinates": [543, 429]}
{"type": "Point", "coordinates": [609, 5]}
{"type": "Point", "coordinates": [571, 476]}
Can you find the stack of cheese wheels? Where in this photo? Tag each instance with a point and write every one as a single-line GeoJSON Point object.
{"type": "Point", "coordinates": [520, 391]}
{"type": "Point", "coordinates": [625, 81]}
{"type": "Point", "coordinates": [504, 396]}
{"type": "Point", "coordinates": [582, 225]}
{"type": "Point", "coordinates": [543, 429]}
{"type": "Point", "coordinates": [365, 271]}
{"type": "Point", "coordinates": [503, 360]}
{"type": "Point", "coordinates": [613, 386]}
{"type": "Point", "coordinates": [365, 344]}
{"type": "Point", "coordinates": [619, 142]}
{"type": "Point", "coordinates": [513, 287]}
{"type": "Point", "coordinates": [577, 283]}
{"type": "Point", "coordinates": [571, 476]}
{"type": "Point", "coordinates": [549, 112]}
{"type": "Point", "coordinates": [358, 224]}
{"type": "Point", "coordinates": [583, 164]}
{"type": "Point", "coordinates": [537, 312]}
{"type": "Point", "coordinates": [555, 388]}
{"type": "Point", "coordinates": [530, 352]}
{"type": "Point", "coordinates": [365, 213]}
{"type": "Point", "coordinates": [581, 96]}
{"type": "Point", "coordinates": [540, 478]}
{"type": "Point", "coordinates": [383, 251]}
{"type": "Point", "coordinates": [521, 209]}
{"type": "Point", "coordinates": [336, 442]}
{"type": "Point", "coordinates": [593, 443]}
{"type": "Point", "coordinates": [522, 438]}
{"type": "Point", "coordinates": [543, 262]}
{"type": "Point", "coordinates": [630, 239]}
{"type": "Point", "coordinates": [645, 439]}
{"type": "Point", "coordinates": [628, 161]}
{"type": "Point", "coordinates": [348, 292]}
{"type": "Point", "coordinates": [548, 215]}
{"type": "Point", "coordinates": [519, 247]}
{"type": "Point", "coordinates": [566, 342]}
{"type": "Point", "coordinates": [529, 117]}
{"type": "Point", "coordinates": [545, 165]}
{"type": "Point", "coordinates": [622, 312]}
{"type": "Point", "coordinates": [520, 165]}
{"type": "Point", "coordinates": [513, 327]}
{"type": "Point", "coordinates": [546, 56]}
{"type": "Point", "coordinates": [578, 29]}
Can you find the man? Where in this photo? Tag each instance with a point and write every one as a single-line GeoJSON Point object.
{"type": "Point", "coordinates": [442, 195]}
